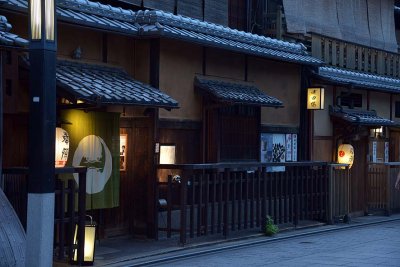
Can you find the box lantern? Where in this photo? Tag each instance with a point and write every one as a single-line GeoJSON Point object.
{"type": "Point", "coordinates": [90, 240]}
{"type": "Point", "coordinates": [315, 98]}
{"type": "Point", "coordinates": [62, 147]}
{"type": "Point", "coordinates": [346, 154]}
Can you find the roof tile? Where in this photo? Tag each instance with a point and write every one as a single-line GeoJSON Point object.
{"type": "Point", "coordinates": [93, 83]}
{"type": "Point", "coordinates": [237, 93]}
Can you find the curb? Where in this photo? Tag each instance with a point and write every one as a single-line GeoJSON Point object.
{"type": "Point", "coordinates": [163, 256]}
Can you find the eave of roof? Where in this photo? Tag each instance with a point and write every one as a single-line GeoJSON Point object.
{"type": "Point", "coordinates": [110, 86]}
{"type": "Point", "coordinates": [235, 92]}
{"type": "Point", "coordinates": [360, 117]}
{"type": "Point", "coordinates": [86, 13]}
{"type": "Point", "coordinates": [359, 79]}
{"type": "Point", "coordinates": [159, 23]}
{"type": "Point", "coordinates": [7, 38]}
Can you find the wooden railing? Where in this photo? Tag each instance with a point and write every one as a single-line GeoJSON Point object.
{"type": "Point", "coordinates": [70, 206]}
{"type": "Point", "coordinates": [381, 192]}
{"type": "Point", "coordinates": [205, 199]}
{"type": "Point", "coordinates": [335, 52]}
{"type": "Point", "coordinates": [355, 57]}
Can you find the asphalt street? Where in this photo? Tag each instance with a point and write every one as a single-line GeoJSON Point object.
{"type": "Point", "coordinates": [373, 245]}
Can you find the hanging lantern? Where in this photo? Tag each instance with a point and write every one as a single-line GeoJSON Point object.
{"type": "Point", "coordinates": [90, 238]}
{"type": "Point", "coordinates": [62, 147]}
{"type": "Point", "coordinates": [346, 154]}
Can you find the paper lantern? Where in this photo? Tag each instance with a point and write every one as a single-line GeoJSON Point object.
{"type": "Point", "coordinates": [315, 98]}
{"type": "Point", "coordinates": [346, 154]}
{"type": "Point", "coordinates": [62, 147]}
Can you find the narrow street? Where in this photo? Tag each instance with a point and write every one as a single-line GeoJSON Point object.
{"type": "Point", "coordinates": [374, 245]}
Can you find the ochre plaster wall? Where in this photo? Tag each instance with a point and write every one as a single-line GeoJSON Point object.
{"type": "Point", "coordinates": [380, 103]}
{"type": "Point", "coordinates": [121, 52]}
{"type": "Point", "coordinates": [225, 64]}
{"type": "Point", "coordinates": [322, 150]}
{"type": "Point", "coordinates": [280, 80]}
{"type": "Point", "coordinates": [142, 60]}
{"type": "Point", "coordinates": [88, 40]}
{"type": "Point", "coordinates": [322, 120]}
{"type": "Point", "coordinates": [179, 63]}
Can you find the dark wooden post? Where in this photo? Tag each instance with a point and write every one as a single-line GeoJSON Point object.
{"type": "Point", "coordinates": [169, 205]}
{"type": "Point", "coordinates": [226, 206]}
{"type": "Point", "coordinates": [81, 214]}
{"type": "Point", "coordinates": [388, 191]}
{"type": "Point", "coordinates": [183, 210]}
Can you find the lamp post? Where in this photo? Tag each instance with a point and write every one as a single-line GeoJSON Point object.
{"type": "Point", "coordinates": [42, 83]}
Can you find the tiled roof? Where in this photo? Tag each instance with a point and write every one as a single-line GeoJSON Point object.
{"type": "Point", "coordinates": [106, 85]}
{"type": "Point", "coordinates": [360, 117]}
{"type": "Point", "coordinates": [159, 23]}
{"type": "Point", "coordinates": [237, 93]}
{"type": "Point", "coordinates": [86, 13]}
{"type": "Point", "coordinates": [193, 30]}
{"type": "Point", "coordinates": [7, 38]}
{"type": "Point", "coordinates": [359, 79]}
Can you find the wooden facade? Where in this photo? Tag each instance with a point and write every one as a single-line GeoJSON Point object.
{"type": "Point", "coordinates": [207, 131]}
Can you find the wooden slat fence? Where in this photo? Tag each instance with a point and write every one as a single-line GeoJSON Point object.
{"type": "Point", "coordinates": [220, 198]}
{"type": "Point", "coordinates": [70, 209]}
{"type": "Point", "coordinates": [381, 192]}
{"type": "Point", "coordinates": [339, 193]}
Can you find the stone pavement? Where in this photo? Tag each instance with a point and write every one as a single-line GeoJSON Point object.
{"type": "Point", "coordinates": [371, 245]}
{"type": "Point", "coordinates": [127, 251]}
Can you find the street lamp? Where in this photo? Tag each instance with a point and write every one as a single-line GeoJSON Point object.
{"type": "Point", "coordinates": [42, 117]}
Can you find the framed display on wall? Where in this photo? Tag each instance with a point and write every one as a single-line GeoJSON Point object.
{"type": "Point", "coordinates": [122, 151]}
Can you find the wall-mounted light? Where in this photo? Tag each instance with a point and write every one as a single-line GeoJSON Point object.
{"type": "Point", "coordinates": [62, 147]}
{"type": "Point", "coordinates": [346, 154]}
{"type": "Point", "coordinates": [378, 132]}
{"type": "Point", "coordinates": [90, 238]}
{"type": "Point", "coordinates": [315, 98]}
{"type": "Point", "coordinates": [167, 154]}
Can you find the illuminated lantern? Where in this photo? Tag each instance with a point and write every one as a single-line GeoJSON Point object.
{"type": "Point", "coordinates": [62, 147]}
{"type": "Point", "coordinates": [346, 154]}
{"type": "Point", "coordinates": [90, 238]}
{"type": "Point", "coordinates": [315, 98]}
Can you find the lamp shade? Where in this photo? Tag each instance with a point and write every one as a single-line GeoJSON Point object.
{"type": "Point", "coordinates": [62, 147]}
{"type": "Point", "coordinates": [90, 238]}
{"type": "Point", "coordinates": [346, 154]}
{"type": "Point", "coordinates": [315, 98]}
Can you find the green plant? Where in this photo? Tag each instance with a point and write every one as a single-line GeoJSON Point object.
{"type": "Point", "coordinates": [270, 228]}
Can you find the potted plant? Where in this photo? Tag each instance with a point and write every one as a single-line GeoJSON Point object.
{"type": "Point", "coordinates": [270, 228]}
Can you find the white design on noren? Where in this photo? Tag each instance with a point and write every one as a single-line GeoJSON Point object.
{"type": "Point", "coordinates": [93, 152]}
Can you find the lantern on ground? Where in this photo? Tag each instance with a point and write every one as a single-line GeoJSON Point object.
{"type": "Point", "coordinates": [346, 154]}
{"type": "Point", "coordinates": [315, 98]}
{"type": "Point", "coordinates": [62, 147]}
{"type": "Point", "coordinates": [90, 238]}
